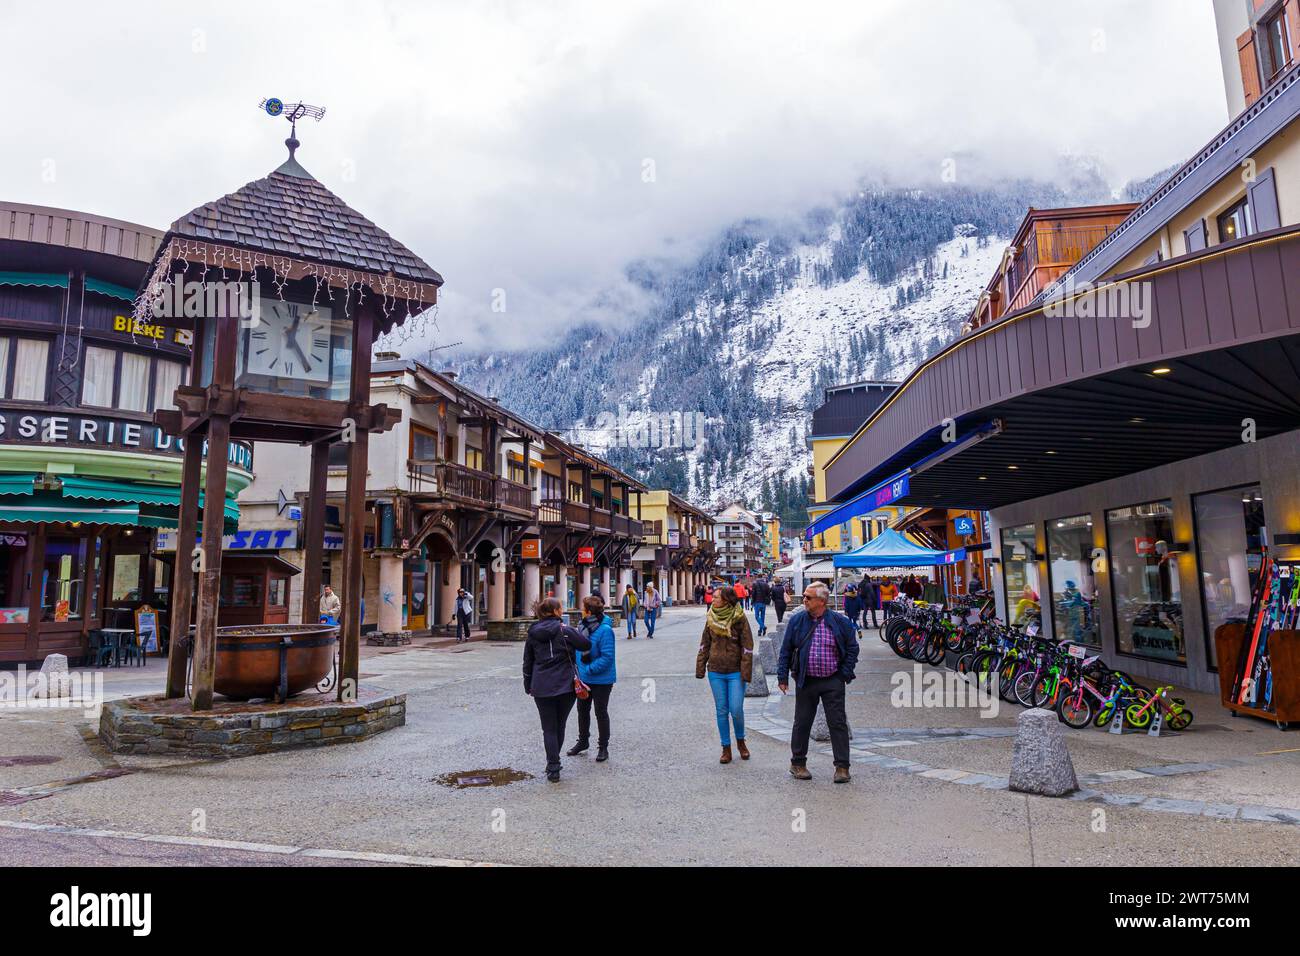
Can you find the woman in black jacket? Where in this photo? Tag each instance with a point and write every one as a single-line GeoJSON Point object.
{"type": "Point", "coordinates": [549, 671]}
{"type": "Point", "coordinates": [778, 599]}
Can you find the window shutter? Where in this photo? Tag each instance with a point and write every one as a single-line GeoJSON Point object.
{"type": "Point", "coordinates": [1250, 81]}
{"type": "Point", "coordinates": [1263, 201]}
{"type": "Point", "coordinates": [1195, 236]}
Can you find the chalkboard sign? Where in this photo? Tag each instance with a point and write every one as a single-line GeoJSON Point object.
{"type": "Point", "coordinates": [146, 628]}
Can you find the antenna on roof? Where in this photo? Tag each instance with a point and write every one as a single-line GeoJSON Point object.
{"type": "Point", "coordinates": [292, 112]}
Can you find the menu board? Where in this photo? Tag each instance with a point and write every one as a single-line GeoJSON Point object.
{"type": "Point", "coordinates": [146, 628]}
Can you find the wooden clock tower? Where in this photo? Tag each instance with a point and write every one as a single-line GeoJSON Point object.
{"type": "Point", "coordinates": [286, 289]}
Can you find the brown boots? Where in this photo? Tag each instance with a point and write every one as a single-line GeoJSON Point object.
{"type": "Point", "coordinates": [742, 749]}
{"type": "Point", "coordinates": [726, 754]}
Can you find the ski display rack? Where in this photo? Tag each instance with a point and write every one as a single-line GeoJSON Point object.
{"type": "Point", "coordinates": [1259, 661]}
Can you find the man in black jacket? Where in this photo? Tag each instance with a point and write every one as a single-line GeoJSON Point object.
{"type": "Point", "coordinates": [762, 595]}
{"type": "Point", "coordinates": [821, 649]}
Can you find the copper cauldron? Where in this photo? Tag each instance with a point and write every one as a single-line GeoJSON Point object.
{"type": "Point", "coordinates": [273, 660]}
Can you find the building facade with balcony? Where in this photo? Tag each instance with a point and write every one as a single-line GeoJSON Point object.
{"type": "Point", "coordinates": [678, 552]}
{"type": "Point", "coordinates": [86, 479]}
{"type": "Point", "coordinates": [741, 544]}
{"type": "Point", "coordinates": [1133, 432]}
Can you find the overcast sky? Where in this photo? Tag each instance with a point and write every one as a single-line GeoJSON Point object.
{"type": "Point", "coordinates": [507, 143]}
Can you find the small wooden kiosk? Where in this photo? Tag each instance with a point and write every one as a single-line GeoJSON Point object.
{"type": "Point", "coordinates": [293, 288]}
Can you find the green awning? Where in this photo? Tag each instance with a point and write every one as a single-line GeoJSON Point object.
{"type": "Point", "coordinates": [109, 288]}
{"type": "Point", "coordinates": [166, 496]}
{"type": "Point", "coordinates": [51, 507]}
{"type": "Point", "coordinates": [53, 280]}
{"type": "Point", "coordinates": [17, 484]}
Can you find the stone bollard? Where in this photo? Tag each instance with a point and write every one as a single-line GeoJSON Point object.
{"type": "Point", "coordinates": [821, 729]}
{"type": "Point", "coordinates": [767, 653]}
{"type": "Point", "coordinates": [757, 686]}
{"type": "Point", "coordinates": [55, 679]}
{"type": "Point", "coordinates": [1040, 761]}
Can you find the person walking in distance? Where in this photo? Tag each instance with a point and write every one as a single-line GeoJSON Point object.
{"type": "Point", "coordinates": [761, 593]}
{"type": "Point", "coordinates": [629, 610]}
{"type": "Point", "coordinates": [549, 675]}
{"type": "Point", "coordinates": [869, 592]}
{"type": "Point", "coordinates": [464, 615]}
{"type": "Point", "coordinates": [852, 605]}
{"type": "Point", "coordinates": [330, 605]}
{"type": "Point", "coordinates": [596, 670]}
{"type": "Point", "coordinates": [888, 595]}
{"type": "Point", "coordinates": [727, 656]}
{"type": "Point", "coordinates": [651, 602]}
{"type": "Point", "coordinates": [821, 650]}
{"type": "Point", "coordinates": [778, 599]}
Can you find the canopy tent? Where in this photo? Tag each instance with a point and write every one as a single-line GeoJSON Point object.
{"type": "Point", "coordinates": [889, 549]}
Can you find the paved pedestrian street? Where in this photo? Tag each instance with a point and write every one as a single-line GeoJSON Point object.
{"type": "Point", "coordinates": [929, 784]}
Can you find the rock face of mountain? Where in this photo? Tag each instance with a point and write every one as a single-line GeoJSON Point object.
{"type": "Point", "coordinates": [710, 391]}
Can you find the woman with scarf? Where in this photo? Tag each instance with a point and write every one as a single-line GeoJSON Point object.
{"type": "Point", "coordinates": [727, 656]}
{"type": "Point", "coordinates": [549, 672]}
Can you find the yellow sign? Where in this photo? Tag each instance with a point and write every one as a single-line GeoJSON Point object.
{"type": "Point", "coordinates": [122, 323]}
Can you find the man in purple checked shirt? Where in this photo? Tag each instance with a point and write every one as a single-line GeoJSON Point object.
{"type": "Point", "coordinates": [821, 649]}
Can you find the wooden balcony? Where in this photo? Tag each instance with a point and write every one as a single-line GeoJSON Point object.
{"type": "Point", "coordinates": [1046, 255]}
{"type": "Point", "coordinates": [575, 514]}
{"type": "Point", "coordinates": [469, 486]}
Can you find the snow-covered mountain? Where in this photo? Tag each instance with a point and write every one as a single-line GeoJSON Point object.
{"type": "Point", "coordinates": [740, 343]}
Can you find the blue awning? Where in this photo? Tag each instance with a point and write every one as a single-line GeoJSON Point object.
{"type": "Point", "coordinates": [889, 549]}
{"type": "Point", "coordinates": [887, 492]}
{"type": "Point", "coordinates": [109, 288]}
{"type": "Point", "coordinates": [53, 280]}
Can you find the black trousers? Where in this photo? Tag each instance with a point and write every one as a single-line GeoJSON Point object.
{"type": "Point", "coordinates": [780, 611]}
{"type": "Point", "coordinates": [829, 691]}
{"type": "Point", "coordinates": [873, 612]}
{"type": "Point", "coordinates": [554, 713]}
{"type": "Point", "coordinates": [600, 699]}
{"type": "Point", "coordinates": [462, 624]}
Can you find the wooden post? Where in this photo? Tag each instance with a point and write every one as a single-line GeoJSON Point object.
{"type": "Point", "coordinates": [204, 668]}
{"type": "Point", "coordinates": [182, 593]}
{"type": "Point", "coordinates": [214, 498]}
{"type": "Point", "coordinates": [354, 509]}
{"type": "Point", "coordinates": [314, 529]}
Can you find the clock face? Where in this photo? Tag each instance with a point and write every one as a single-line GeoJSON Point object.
{"type": "Point", "coordinates": [291, 341]}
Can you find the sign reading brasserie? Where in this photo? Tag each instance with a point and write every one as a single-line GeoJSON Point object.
{"type": "Point", "coordinates": [92, 431]}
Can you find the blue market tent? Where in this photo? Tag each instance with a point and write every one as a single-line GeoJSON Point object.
{"type": "Point", "coordinates": [889, 549]}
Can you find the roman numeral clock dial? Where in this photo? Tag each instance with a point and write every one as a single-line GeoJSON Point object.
{"type": "Point", "coordinates": [290, 343]}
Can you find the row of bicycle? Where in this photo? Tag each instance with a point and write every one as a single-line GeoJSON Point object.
{"type": "Point", "coordinates": [1019, 664]}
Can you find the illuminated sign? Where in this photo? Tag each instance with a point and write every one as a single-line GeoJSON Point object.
{"type": "Point", "coordinates": [964, 526]}
{"type": "Point", "coordinates": [586, 555]}
{"type": "Point", "coordinates": [531, 548]}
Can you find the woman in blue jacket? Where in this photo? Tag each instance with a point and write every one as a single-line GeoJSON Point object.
{"type": "Point", "coordinates": [596, 668]}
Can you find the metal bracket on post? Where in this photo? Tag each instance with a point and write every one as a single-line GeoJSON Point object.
{"type": "Point", "coordinates": [282, 693]}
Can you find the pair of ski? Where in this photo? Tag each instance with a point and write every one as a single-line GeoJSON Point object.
{"type": "Point", "coordinates": [1269, 608]}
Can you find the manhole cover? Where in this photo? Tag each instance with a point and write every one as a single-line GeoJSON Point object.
{"type": "Point", "coordinates": [464, 779]}
{"type": "Point", "coordinates": [28, 760]}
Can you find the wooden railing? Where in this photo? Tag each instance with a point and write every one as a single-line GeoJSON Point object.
{"type": "Point", "coordinates": [468, 485]}
{"type": "Point", "coordinates": [1046, 248]}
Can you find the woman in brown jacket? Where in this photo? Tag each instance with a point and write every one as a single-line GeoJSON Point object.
{"type": "Point", "coordinates": [727, 654]}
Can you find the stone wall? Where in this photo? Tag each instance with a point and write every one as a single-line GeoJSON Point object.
{"type": "Point", "coordinates": [152, 725]}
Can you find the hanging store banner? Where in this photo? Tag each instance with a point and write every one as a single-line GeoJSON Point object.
{"type": "Point", "coordinates": [586, 555]}
{"type": "Point", "coordinates": [531, 549]}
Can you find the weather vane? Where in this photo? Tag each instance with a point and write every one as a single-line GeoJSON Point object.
{"type": "Point", "coordinates": [292, 112]}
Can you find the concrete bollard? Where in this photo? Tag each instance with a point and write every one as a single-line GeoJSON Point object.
{"type": "Point", "coordinates": [757, 686]}
{"type": "Point", "coordinates": [56, 681]}
{"type": "Point", "coordinates": [1040, 760]}
{"type": "Point", "coordinates": [767, 653]}
{"type": "Point", "coordinates": [821, 729]}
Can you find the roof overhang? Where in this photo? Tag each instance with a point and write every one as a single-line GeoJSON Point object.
{"type": "Point", "coordinates": [1077, 392]}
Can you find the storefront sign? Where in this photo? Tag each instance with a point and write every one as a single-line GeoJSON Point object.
{"type": "Point", "coordinates": [131, 326]}
{"type": "Point", "coordinates": [245, 539]}
{"type": "Point", "coordinates": [531, 548]}
{"type": "Point", "coordinates": [92, 431]}
{"type": "Point", "coordinates": [13, 540]}
{"type": "Point", "coordinates": [964, 526]}
{"type": "Point", "coordinates": [674, 538]}
{"type": "Point", "coordinates": [1144, 546]}
{"type": "Point", "coordinates": [586, 555]}
{"type": "Point", "coordinates": [891, 492]}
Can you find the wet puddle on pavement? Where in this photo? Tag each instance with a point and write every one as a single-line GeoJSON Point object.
{"type": "Point", "coordinates": [466, 779]}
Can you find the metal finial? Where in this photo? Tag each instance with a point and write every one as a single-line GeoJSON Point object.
{"type": "Point", "coordinates": [292, 112]}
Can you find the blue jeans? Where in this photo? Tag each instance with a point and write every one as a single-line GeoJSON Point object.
{"type": "Point", "coordinates": [760, 615]}
{"type": "Point", "coordinates": [728, 700]}
{"type": "Point", "coordinates": [631, 623]}
{"type": "Point", "coordinates": [650, 614]}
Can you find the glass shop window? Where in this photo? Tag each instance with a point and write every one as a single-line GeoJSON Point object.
{"type": "Point", "coordinates": [1144, 581]}
{"type": "Point", "coordinates": [1074, 587]}
{"type": "Point", "coordinates": [1020, 583]}
{"type": "Point", "coordinates": [1229, 536]}
{"type": "Point", "coordinates": [63, 579]}
{"type": "Point", "coordinates": [13, 576]}
{"type": "Point", "coordinates": [241, 590]}
{"type": "Point", "coordinates": [31, 362]}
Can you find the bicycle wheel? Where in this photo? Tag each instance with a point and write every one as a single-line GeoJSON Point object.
{"type": "Point", "coordinates": [1104, 713]}
{"type": "Point", "coordinates": [916, 644]}
{"type": "Point", "coordinates": [964, 662]}
{"type": "Point", "coordinates": [1178, 719]}
{"type": "Point", "coordinates": [1075, 709]}
{"type": "Point", "coordinates": [937, 650]}
{"type": "Point", "coordinates": [1138, 715]}
{"type": "Point", "coordinates": [1044, 690]}
{"type": "Point", "coordinates": [1006, 678]}
{"type": "Point", "coordinates": [954, 639]}
{"type": "Point", "coordinates": [986, 672]}
{"type": "Point", "coordinates": [1023, 689]}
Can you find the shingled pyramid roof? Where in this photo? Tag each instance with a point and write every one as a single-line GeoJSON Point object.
{"type": "Point", "coordinates": [289, 213]}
